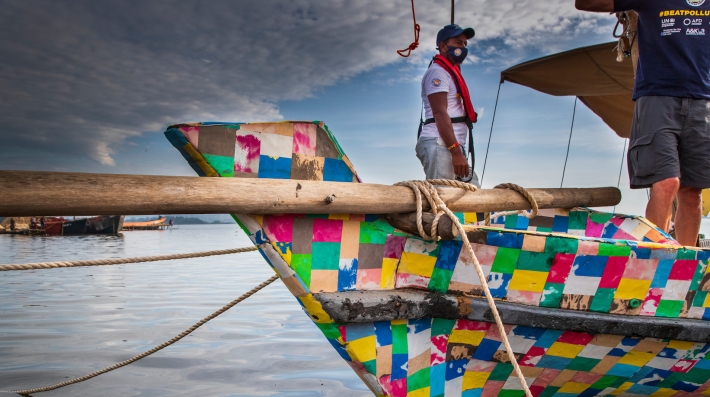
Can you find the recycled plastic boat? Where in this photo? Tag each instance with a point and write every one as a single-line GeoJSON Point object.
{"type": "Point", "coordinates": [594, 303]}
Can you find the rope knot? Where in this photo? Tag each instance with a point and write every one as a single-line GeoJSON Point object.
{"type": "Point", "coordinates": [408, 51]}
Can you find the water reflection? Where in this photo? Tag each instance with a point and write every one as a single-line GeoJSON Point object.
{"type": "Point", "coordinates": [63, 323]}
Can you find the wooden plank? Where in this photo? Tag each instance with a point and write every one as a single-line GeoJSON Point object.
{"type": "Point", "coordinates": [24, 193]}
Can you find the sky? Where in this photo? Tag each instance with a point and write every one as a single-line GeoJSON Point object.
{"type": "Point", "coordinates": [89, 86]}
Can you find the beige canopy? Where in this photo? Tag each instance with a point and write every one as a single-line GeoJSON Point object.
{"type": "Point", "coordinates": [590, 73]}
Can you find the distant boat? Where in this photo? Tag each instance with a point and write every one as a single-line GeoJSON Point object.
{"type": "Point", "coordinates": [59, 226]}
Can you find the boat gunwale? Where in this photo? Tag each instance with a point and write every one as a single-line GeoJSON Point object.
{"type": "Point", "coordinates": [388, 305]}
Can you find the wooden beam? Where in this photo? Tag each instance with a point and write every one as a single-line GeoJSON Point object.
{"type": "Point", "coordinates": [28, 193]}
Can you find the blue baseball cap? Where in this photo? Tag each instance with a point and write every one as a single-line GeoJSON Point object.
{"type": "Point", "coordinates": [453, 30]}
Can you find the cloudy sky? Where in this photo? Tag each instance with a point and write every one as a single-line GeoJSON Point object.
{"type": "Point", "coordinates": [89, 86]}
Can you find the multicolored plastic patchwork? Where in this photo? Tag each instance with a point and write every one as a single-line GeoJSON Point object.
{"type": "Point", "coordinates": [575, 259]}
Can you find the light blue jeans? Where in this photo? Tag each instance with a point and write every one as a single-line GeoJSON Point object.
{"type": "Point", "coordinates": [436, 159]}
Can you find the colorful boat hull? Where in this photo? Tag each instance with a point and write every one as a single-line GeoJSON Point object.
{"type": "Point", "coordinates": [566, 262]}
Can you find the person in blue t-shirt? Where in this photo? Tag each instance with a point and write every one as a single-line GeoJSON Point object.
{"type": "Point", "coordinates": [669, 149]}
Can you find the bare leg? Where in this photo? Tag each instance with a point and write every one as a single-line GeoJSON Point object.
{"type": "Point", "coordinates": [659, 207]}
{"type": "Point", "coordinates": [688, 215]}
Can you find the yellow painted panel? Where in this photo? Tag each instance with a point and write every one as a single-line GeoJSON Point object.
{"type": "Point", "coordinates": [389, 273]}
{"type": "Point", "coordinates": [467, 337]}
{"type": "Point", "coordinates": [340, 217]}
{"type": "Point", "coordinates": [632, 289]}
{"type": "Point", "coordinates": [419, 393]}
{"type": "Point", "coordinates": [363, 349]}
{"type": "Point", "coordinates": [200, 161]}
{"type": "Point", "coordinates": [706, 303]}
{"type": "Point", "coordinates": [470, 217]}
{"type": "Point", "coordinates": [636, 358]}
{"type": "Point", "coordinates": [624, 387]}
{"type": "Point", "coordinates": [706, 202]}
{"type": "Point", "coordinates": [474, 380]}
{"type": "Point", "coordinates": [287, 256]}
{"type": "Point", "coordinates": [421, 265]}
{"type": "Point", "coordinates": [566, 350]}
{"type": "Point", "coordinates": [528, 280]}
{"type": "Point", "coordinates": [573, 387]}
{"type": "Point", "coordinates": [663, 392]}
{"type": "Point", "coordinates": [315, 309]}
{"type": "Point", "coordinates": [680, 345]}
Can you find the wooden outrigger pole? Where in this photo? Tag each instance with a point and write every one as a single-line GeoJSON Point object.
{"type": "Point", "coordinates": [27, 193]}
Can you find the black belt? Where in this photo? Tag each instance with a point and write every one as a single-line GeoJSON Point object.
{"type": "Point", "coordinates": [460, 119]}
{"type": "Point", "coordinates": [454, 120]}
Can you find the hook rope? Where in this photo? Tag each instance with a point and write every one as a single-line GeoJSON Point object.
{"type": "Point", "coordinates": [490, 134]}
{"type": "Point", "coordinates": [408, 51]}
{"type": "Point", "coordinates": [621, 168]}
{"type": "Point", "coordinates": [569, 142]}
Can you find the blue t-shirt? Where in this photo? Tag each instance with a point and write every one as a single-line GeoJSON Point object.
{"type": "Point", "coordinates": [674, 47]}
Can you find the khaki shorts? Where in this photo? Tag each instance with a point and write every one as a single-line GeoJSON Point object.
{"type": "Point", "coordinates": [436, 159]}
{"type": "Point", "coordinates": [670, 138]}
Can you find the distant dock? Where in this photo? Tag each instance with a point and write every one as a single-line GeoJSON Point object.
{"type": "Point", "coordinates": [157, 224]}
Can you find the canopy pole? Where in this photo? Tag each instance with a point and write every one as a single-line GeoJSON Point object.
{"type": "Point", "coordinates": [569, 142]}
{"type": "Point", "coordinates": [490, 134]}
{"type": "Point", "coordinates": [452, 12]}
{"type": "Point", "coordinates": [621, 168]}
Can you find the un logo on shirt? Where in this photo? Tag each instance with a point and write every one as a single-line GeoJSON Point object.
{"type": "Point", "coordinates": [695, 3]}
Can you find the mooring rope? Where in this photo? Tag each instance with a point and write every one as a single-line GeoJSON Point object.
{"type": "Point", "coordinates": [523, 192]}
{"type": "Point", "coordinates": [439, 208]}
{"type": "Point", "coordinates": [151, 351]}
{"type": "Point", "coordinates": [121, 261]}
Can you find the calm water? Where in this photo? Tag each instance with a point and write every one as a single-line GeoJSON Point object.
{"type": "Point", "coordinates": [63, 323]}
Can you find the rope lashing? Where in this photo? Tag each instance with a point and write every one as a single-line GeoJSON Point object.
{"type": "Point", "coordinates": [151, 351]}
{"type": "Point", "coordinates": [408, 51]}
{"type": "Point", "coordinates": [439, 207]}
{"type": "Point", "coordinates": [121, 261]}
{"type": "Point", "coordinates": [523, 192]}
{"type": "Point", "coordinates": [427, 188]}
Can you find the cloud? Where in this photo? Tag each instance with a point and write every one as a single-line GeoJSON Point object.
{"type": "Point", "coordinates": [80, 77]}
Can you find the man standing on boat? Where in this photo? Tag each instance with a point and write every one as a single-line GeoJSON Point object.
{"type": "Point", "coordinates": [669, 149]}
{"type": "Point", "coordinates": [449, 114]}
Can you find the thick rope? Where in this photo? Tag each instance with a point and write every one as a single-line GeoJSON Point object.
{"type": "Point", "coordinates": [523, 192]}
{"type": "Point", "coordinates": [439, 207]}
{"type": "Point", "coordinates": [121, 261]}
{"type": "Point", "coordinates": [427, 188]}
{"type": "Point", "coordinates": [151, 351]}
{"type": "Point", "coordinates": [408, 51]}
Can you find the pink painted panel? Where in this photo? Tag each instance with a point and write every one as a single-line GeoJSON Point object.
{"type": "Point", "coordinates": [438, 349]}
{"type": "Point", "coordinates": [278, 228]}
{"type": "Point", "coordinates": [650, 304]}
{"type": "Point", "coordinates": [470, 325]}
{"type": "Point", "coordinates": [615, 267]}
{"type": "Point", "coordinates": [641, 269]}
{"type": "Point", "coordinates": [594, 229]}
{"type": "Point", "coordinates": [191, 134]}
{"type": "Point", "coordinates": [304, 139]}
{"type": "Point", "coordinates": [561, 266]}
{"type": "Point", "coordinates": [683, 270]}
{"type": "Point", "coordinates": [327, 230]}
{"type": "Point", "coordinates": [247, 151]}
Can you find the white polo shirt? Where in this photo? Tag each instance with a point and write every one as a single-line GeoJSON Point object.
{"type": "Point", "coordinates": [437, 79]}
